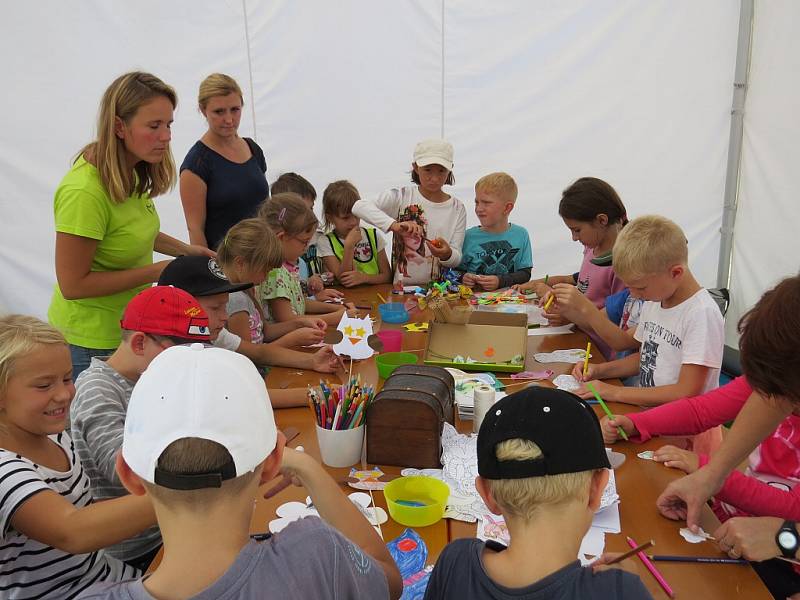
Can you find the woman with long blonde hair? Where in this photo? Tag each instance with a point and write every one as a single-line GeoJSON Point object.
{"type": "Point", "coordinates": [106, 222]}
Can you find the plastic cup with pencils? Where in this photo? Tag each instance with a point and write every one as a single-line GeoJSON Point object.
{"type": "Point", "coordinates": [340, 415]}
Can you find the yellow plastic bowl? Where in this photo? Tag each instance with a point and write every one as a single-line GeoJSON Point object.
{"type": "Point", "coordinates": [416, 501]}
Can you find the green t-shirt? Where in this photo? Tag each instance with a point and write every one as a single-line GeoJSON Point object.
{"type": "Point", "coordinates": [125, 232]}
{"type": "Point", "coordinates": [282, 284]}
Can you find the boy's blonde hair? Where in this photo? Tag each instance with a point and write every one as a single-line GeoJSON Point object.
{"type": "Point", "coordinates": [521, 498]}
{"type": "Point", "coordinates": [191, 455]}
{"type": "Point", "coordinates": [123, 99]}
{"type": "Point", "coordinates": [287, 212]}
{"type": "Point", "coordinates": [19, 336]}
{"type": "Point", "coordinates": [338, 200]}
{"type": "Point", "coordinates": [254, 241]}
{"type": "Point", "coordinates": [500, 184]}
{"type": "Point", "coordinates": [217, 84]}
{"type": "Point", "coordinates": [649, 245]}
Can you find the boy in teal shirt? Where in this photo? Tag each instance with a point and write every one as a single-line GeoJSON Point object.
{"type": "Point", "coordinates": [497, 253]}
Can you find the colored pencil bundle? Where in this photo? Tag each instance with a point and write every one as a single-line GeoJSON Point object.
{"type": "Point", "coordinates": [341, 406]}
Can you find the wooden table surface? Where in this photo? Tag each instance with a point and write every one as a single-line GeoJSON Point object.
{"type": "Point", "coordinates": [639, 482]}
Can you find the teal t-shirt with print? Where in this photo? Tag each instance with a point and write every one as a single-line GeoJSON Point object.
{"type": "Point", "coordinates": [496, 253]}
{"type": "Point", "coordinates": [125, 234]}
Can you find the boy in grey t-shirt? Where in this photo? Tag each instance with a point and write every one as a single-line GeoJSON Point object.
{"type": "Point", "coordinates": [200, 438]}
{"type": "Point", "coordinates": [154, 319]}
{"type": "Point", "coordinates": [547, 484]}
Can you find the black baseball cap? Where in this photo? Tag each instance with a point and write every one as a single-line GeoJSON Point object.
{"type": "Point", "coordinates": [561, 424]}
{"type": "Point", "coordinates": [200, 276]}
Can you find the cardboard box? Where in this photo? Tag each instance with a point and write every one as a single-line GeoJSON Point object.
{"type": "Point", "coordinates": [491, 338]}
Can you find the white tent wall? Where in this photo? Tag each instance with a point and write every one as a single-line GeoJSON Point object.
{"type": "Point", "coordinates": [766, 245]}
{"type": "Point", "coordinates": [637, 93]}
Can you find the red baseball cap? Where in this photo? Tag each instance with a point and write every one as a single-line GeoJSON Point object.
{"type": "Point", "coordinates": [166, 310]}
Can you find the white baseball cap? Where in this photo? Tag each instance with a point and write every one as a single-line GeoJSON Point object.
{"type": "Point", "coordinates": [199, 392]}
{"type": "Point", "coordinates": [434, 152]}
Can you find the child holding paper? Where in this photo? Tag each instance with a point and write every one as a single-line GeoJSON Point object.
{"type": "Point", "coordinates": [497, 253]}
{"type": "Point", "coordinates": [547, 486]}
{"type": "Point", "coordinates": [428, 223]}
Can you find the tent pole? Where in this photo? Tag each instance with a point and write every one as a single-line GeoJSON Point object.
{"type": "Point", "coordinates": [740, 84]}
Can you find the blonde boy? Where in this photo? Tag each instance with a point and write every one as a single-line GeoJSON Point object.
{"type": "Point", "coordinates": [496, 254]}
{"type": "Point", "coordinates": [680, 328]}
{"type": "Point", "coordinates": [547, 485]}
{"type": "Point", "coordinates": [200, 438]}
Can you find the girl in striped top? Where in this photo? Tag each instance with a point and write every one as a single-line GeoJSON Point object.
{"type": "Point", "coordinates": [51, 535]}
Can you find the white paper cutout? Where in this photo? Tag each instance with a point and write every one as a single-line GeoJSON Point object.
{"type": "Point", "coordinates": [566, 356]}
{"type": "Point", "coordinates": [355, 332]}
{"type": "Point", "coordinates": [695, 538]}
{"type": "Point", "coordinates": [292, 511]}
{"type": "Point", "coordinates": [567, 383]}
{"type": "Point", "coordinates": [646, 455]}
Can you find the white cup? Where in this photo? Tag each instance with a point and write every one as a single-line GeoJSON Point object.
{"type": "Point", "coordinates": [340, 447]}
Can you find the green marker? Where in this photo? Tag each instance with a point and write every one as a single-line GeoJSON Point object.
{"type": "Point", "coordinates": [604, 406]}
{"type": "Point", "coordinates": [546, 277]}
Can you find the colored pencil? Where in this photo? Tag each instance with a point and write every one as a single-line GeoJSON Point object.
{"type": "Point", "coordinates": [700, 559]}
{"type": "Point", "coordinates": [586, 359]}
{"type": "Point", "coordinates": [631, 552]}
{"type": "Point", "coordinates": [546, 277]}
{"type": "Point", "coordinates": [651, 567]}
{"type": "Point", "coordinates": [603, 405]}
{"type": "Point", "coordinates": [549, 301]}
{"type": "Point", "coordinates": [342, 407]}
{"type": "Point", "coordinates": [382, 299]}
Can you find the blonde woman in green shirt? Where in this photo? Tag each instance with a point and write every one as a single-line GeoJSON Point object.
{"type": "Point", "coordinates": [106, 222]}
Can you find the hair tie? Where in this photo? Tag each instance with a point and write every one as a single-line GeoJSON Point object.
{"type": "Point", "coordinates": [281, 215]}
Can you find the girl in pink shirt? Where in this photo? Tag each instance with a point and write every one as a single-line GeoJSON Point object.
{"type": "Point", "coordinates": [769, 485]}
{"type": "Point", "coordinates": [594, 213]}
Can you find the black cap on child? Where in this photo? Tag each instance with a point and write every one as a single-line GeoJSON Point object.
{"type": "Point", "coordinates": [563, 426]}
{"type": "Point", "coordinates": [200, 276]}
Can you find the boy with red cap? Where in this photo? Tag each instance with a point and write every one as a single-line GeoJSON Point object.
{"type": "Point", "coordinates": [155, 319]}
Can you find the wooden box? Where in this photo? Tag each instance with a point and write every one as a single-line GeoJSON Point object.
{"type": "Point", "coordinates": [404, 423]}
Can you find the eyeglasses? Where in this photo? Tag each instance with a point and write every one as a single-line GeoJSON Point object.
{"type": "Point", "coordinates": [305, 242]}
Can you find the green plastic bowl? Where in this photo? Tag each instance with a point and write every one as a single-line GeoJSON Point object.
{"type": "Point", "coordinates": [416, 501]}
{"type": "Point", "coordinates": [389, 361]}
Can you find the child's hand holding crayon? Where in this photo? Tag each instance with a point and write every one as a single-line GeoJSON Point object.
{"type": "Point", "coordinates": [610, 427]}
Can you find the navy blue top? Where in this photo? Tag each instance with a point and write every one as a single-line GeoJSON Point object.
{"type": "Point", "coordinates": [233, 190]}
{"type": "Point", "coordinates": [459, 574]}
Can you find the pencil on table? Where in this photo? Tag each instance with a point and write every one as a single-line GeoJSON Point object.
{"type": "Point", "coordinates": [653, 571]}
{"type": "Point", "coordinates": [631, 552]}
{"type": "Point", "coordinates": [700, 559]}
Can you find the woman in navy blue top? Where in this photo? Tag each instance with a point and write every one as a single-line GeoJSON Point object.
{"type": "Point", "coordinates": [223, 177]}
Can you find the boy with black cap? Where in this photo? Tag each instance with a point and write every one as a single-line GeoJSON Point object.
{"type": "Point", "coordinates": [547, 485]}
{"type": "Point", "coordinates": [204, 279]}
{"type": "Point", "coordinates": [156, 318]}
{"type": "Point", "coordinates": [200, 438]}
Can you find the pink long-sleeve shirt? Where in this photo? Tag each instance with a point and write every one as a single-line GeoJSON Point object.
{"type": "Point", "coordinates": [769, 487]}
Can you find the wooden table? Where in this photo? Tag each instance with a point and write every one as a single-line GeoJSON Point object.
{"type": "Point", "coordinates": [639, 482]}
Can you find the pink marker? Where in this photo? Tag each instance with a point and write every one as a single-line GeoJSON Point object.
{"type": "Point", "coordinates": [651, 567]}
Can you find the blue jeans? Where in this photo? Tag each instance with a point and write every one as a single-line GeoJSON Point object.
{"type": "Point", "coordinates": [82, 357]}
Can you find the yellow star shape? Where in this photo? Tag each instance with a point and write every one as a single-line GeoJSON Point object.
{"type": "Point", "coordinates": [348, 330]}
{"type": "Point", "coordinates": [360, 332]}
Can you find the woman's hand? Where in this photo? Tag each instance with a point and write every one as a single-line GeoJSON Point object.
{"type": "Point", "coordinates": [197, 250]}
{"type": "Point", "coordinates": [752, 538]}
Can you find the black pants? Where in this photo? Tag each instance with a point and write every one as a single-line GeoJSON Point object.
{"type": "Point", "coordinates": [780, 578]}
